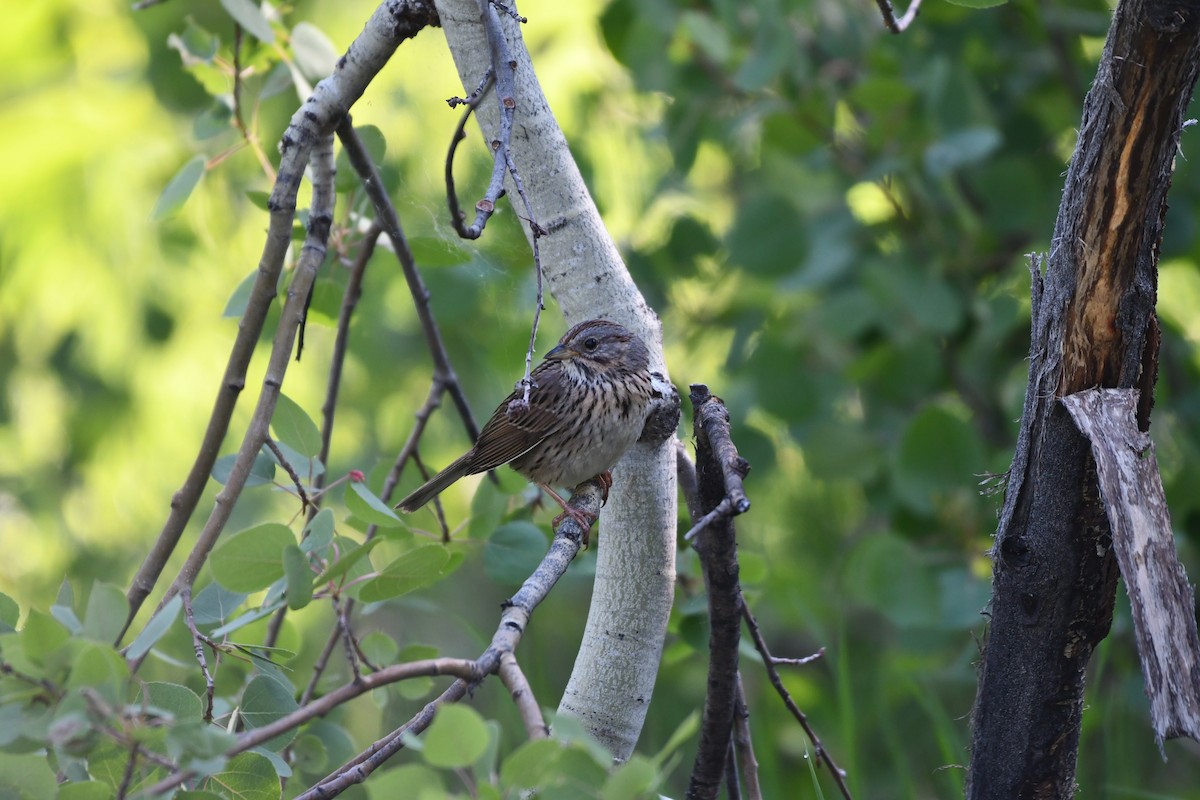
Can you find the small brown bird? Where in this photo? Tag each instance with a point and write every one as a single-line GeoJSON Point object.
{"type": "Point", "coordinates": [587, 405]}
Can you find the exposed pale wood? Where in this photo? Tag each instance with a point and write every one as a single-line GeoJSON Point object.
{"type": "Point", "coordinates": [1164, 617]}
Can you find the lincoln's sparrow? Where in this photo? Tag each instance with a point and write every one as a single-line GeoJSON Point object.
{"type": "Point", "coordinates": [587, 405]}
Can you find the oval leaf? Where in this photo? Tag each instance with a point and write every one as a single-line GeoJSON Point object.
{"type": "Point", "coordinates": [155, 629]}
{"type": "Point", "coordinates": [364, 504]}
{"type": "Point", "coordinates": [179, 189]}
{"type": "Point", "coordinates": [414, 569]}
{"type": "Point", "coordinates": [456, 738]}
{"type": "Point", "coordinates": [299, 577]}
{"type": "Point", "coordinates": [251, 18]}
{"type": "Point", "coordinates": [295, 428]}
{"type": "Point", "coordinates": [265, 700]}
{"type": "Point", "coordinates": [252, 559]}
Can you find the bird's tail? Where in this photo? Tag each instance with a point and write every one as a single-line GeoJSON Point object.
{"type": "Point", "coordinates": [435, 485]}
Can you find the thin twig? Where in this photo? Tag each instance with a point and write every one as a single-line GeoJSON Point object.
{"type": "Point", "coordinates": [889, 15]}
{"type": "Point", "coordinates": [760, 644]}
{"type": "Point", "coordinates": [471, 102]}
{"type": "Point", "coordinates": [198, 642]}
{"type": "Point", "coordinates": [337, 360]}
{"type": "Point", "coordinates": [311, 256]}
{"type": "Point", "coordinates": [363, 60]}
{"type": "Point", "coordinates": [390, 222]}
{"type": "Point", "coordinates": [514, 680]}
{"type": "Point", "coordinates": [127, 778]}
{"type": "Point", "coordinates": [462, 668]}
{"type": "Point", "coordinates": [744, 744]}
{"type": "Point", "coordinates": [733, 789]}
{"type": "Point", "coordinates": [568, 539]}
{"type": "Point", "coordinates": [290, 470]}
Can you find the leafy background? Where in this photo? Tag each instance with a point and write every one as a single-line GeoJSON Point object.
{"type": "Point", "coordinates": [830, 220]}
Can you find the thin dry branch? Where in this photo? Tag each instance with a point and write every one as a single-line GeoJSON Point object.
{"type": "Point", "coordinates": [311, 257]}
{"type": "Point", "coordinates": [568, 539]}
{"type": "Point", "coordinates": [719, 471]}
{"type": "Point", "coordinates": [890, 20]}
{"type": "Point", "coordinates": [393, 22]}
{"type": "Point", "coordinates": [769, 662]}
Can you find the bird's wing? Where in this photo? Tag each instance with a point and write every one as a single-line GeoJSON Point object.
{"type": "Point", "coordinates": [517, 427]}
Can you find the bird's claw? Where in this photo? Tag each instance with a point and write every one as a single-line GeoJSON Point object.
{"type": "Point", "coordinates": [586, 520]}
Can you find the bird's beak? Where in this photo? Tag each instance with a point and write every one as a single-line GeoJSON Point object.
{"type": "Point", "coordinates": [559, 353]}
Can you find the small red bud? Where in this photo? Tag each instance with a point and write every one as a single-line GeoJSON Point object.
{"type": "Point", "coordinates": [357, 476]}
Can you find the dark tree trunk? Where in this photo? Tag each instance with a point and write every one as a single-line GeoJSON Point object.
{"type": "Point", "coordinates": [1093, 325]}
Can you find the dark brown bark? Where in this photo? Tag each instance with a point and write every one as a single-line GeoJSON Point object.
{"type": "Point", "coordinates": [719, 473]}
{"type": "Point", "coordinates": [1093, 325]}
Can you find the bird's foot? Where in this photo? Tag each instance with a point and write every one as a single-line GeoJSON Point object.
{"type": "Point", "coordinates": [586, 519]}
{"type": "Point", "coordinates": [605, 480]}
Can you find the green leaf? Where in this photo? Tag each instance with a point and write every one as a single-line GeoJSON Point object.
{"type": "Point", "coordinates": [179, 701]}
{"type": "Point", "coordinates": [155, 629]}
{"type": "Point", "coordinates": [250, 18]}
{"type": "Point", "coordinates": [890, 576]}
{"type": "Point", "coordinates": [101, 668]}
{"type": "Point", "coordinates": [530, 764]}
{"type": "Point", "coordinates": [315, 54]}
{"type": "Point", "coordinates": [939, 453]}
{"type": "Point", "coordinates": [416, 568]}
{"type": "Point", "coordinates": [215, 604]}
{"type": "Point", "coordinates": [41, 636]}
{"type": "Point", "coordinates": [248, 776]}
{"type": "Point", "coordinates": [513, 552]}
{"type": "Point", "coordinates": [106, 613]}
{"type": "Point", "coordinates": [262, 473]}
{"type": "Point", "coordinates": [26, 777]}
{"type": "Point", "coordinates": [960, 149]}
{"type": "Point", "coordinates": [295, 428]}
{"type": "Point", "coordinates": [179, 189]}
{"type": "Point", "coordinates": [259, 198]}
{"type": "Point", "coordinates": [85, 790]}
{"type": "Point", "coordinates": [363, 503]}
{"type": "Point", "coordinates": [264, 701]}
{"type": "Point", "coordinates": [299, 577]}
{"type": "Point", "coordinates": [235, 306]}
{"type": "Point", "coordinates": [318, 535]}
{"type": "Point", "coordinates": [252, 559]}
{"type": "Point", "coordinates": [637, 777]}
{"type": "Point", "coordinates": [456, 738]}
{"type": "Point", "coordinates": [352, 554]}
{"type": "Point", "coordinates": [686, 730]}
{"type": "Point", "coordinates": [10, 613]}
{"type": "Point", "coordinates": [978, 3]}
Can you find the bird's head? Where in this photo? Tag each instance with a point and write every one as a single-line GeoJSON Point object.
{"type": "Point", "coordinates": [602, 345]}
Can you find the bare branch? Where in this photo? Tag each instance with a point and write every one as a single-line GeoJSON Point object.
{"type": "Point", "coordinates": [291, 471]}
{"type": "Point", "coordinates": [568, 538]}
{"type": "Point", "coordinates": [391, 24]}
{"type": "Point", "coordinates": [744, 744]}
{"type": "Point", "coordinates": [522, 695]}
{"type": "Point", "coordinates": [889, 15]}
{"type": "Point", "coordinates": [769, 662]}
{"type": "Point", "coordinates": [719, 472]}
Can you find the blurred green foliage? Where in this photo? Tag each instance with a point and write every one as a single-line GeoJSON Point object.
{"type": "Point", "coordinates": [830, 220]}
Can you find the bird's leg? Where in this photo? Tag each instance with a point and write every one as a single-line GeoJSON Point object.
{"type": "Point", "coordinates": [585, 518]}
{"type": "Point", "coordinates": [605, 479]}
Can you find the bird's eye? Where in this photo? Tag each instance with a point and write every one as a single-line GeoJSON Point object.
{"type": "Point", "coordinates": [590, 343]}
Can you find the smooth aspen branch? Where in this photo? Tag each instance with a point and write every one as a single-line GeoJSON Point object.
{"type": "Point", "coordinates": [393, 22]}
{"type": "Point", "coordinates": [612, 683]}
